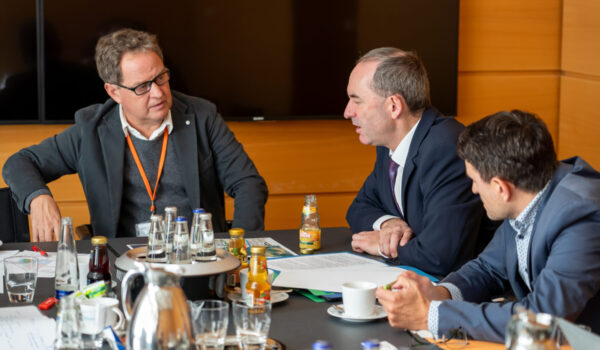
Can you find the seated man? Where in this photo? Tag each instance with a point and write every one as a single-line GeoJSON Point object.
{"type": "Point", "coordinates": [546, 252]}
{"type": "Point", "coordinates": [418, 188]}
{"type": "Point", "coordinates": [140, 151]}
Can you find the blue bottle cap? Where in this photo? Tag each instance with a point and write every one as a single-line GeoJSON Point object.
{"type": "Point", "coordinates": [199, 211]}
{"type": "Point", "coordinates": [321, 345]}
{"type": "Point", "coordinates": [370, 344]}
{"type": "Point", "coordinates": [180, 218]}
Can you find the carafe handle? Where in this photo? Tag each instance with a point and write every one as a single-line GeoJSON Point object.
{"type": "Point", "coordinates": [125, 292]}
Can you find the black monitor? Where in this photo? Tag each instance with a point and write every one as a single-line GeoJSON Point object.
{"type": "Point", "coordinates": [265, 59]}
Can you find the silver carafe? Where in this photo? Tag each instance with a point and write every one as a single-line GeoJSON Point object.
{"type": "Point", "coordinates": [529, 331]}
{"type": "Point", "coordinates": [161, 317]}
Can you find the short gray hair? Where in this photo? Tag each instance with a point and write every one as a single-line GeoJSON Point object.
{"type": "Point", "coordinates": [400, 72]}
{"type": "Point", "coordinates": [111, 48]}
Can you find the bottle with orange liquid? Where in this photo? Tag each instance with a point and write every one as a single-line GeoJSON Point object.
{"type": "Point", "coordinates": [237, 248]}
{"type": "Point", "coordinates": [258, 289]}
{"type": "Point", "coordinates": [310, 232]}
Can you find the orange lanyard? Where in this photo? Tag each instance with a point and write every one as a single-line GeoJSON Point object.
{"type": "Point", "coordinates": [161, 164]}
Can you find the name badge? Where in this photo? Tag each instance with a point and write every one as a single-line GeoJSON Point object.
{"type": "Point", "coordinates": [142, 229]}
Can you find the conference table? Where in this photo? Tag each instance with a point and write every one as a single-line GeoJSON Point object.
{"type": "Point", "coordinates": [296, 322]}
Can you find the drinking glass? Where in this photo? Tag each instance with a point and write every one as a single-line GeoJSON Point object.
{"type": "Point", "coordinates": [210, 318]}
{"type": "Point", "coordinates": [252, 324]}
{"type": "Point", "coordinates": [20, 274]}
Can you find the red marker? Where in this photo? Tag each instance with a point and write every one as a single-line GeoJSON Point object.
{"type": "Point", "coordinates": [36, 249]}
{"type": "Point", "coordinates": [48, 303]}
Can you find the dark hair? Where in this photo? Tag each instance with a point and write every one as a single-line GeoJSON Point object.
{"type": "Point", "coordinates": [111, 48]}
{"type": "Point", "coordinates": [515, 146]}
{"type": "Point", "coordinates": [400, 72]}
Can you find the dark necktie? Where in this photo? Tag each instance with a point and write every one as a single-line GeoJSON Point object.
{"type": "Point", "coordinates": [393, 171]}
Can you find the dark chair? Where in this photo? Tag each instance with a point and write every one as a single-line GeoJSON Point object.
{"type": "Point", "coordinates": [14, 226]}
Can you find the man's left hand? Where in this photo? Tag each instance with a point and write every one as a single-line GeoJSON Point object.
{"type": "Point", "coordinates": [366, 242]}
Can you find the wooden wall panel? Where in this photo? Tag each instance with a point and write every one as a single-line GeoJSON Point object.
{"type": "Point", "coordinates": [511, 35]}
{"type": "Point", "coordinates": [581, 30]}
{"type": "Point", "coordinates": [580, 119]}
{"type": "Point", "coordinates": [485, 93]}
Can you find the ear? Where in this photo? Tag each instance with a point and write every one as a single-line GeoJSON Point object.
{"type": "Point", "coordinates": [503, 188]}
{"type": "Point", "coordinates": [396, 105]}
{"type": "Point", "coordinates": [113, 91]}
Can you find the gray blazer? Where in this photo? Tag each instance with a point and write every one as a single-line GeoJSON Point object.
{"type": "Point", "coordinates": [563, 263]}
{"type": "Point", "coordinates": [210, 159]}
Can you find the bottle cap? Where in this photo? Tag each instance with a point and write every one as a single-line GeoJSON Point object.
{"type": "Point", "coordinates": [321, 345]}
{"type": "Point", "coordinates": [98, 240]}
{"type": "Point", "coordinates": [180, 219]}
{"type": "Point", "coordinates": [370, 344]}
{"type": "Point", "coordinates": [171, 209]}
{"type": "Point", "coordinates": [205, 216]}
{"type": "Point", "coordinates": [156, 217]}
{"type": "Point", "coordinates": [199, 211]}
{"type": "Point", "coordinates": [66, 220]}
{"type": "Point", "coordinates": [236, 231]}
{"type": "Point", "coordinates": [259, 249]}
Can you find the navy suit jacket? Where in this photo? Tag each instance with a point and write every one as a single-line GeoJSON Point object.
{"type": "Point", "coordinates": [437, 200]}
{"type": "Point", "coordinates": [563, 263]}
{"type": "Point", "coordinates": [210, 160]}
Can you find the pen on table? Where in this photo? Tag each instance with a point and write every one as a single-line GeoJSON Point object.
{"type": "Point", "coordinates": [35, 248]}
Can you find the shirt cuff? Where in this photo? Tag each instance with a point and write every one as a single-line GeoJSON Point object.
{"type": "Point", "coordinates": [377, 224]}
{"type": "Point", "coordinates": [433, 318]}
{"type": "Point", "coordinates": [455, 293]}
{"type": "Point", "coordinates": [32, 196]}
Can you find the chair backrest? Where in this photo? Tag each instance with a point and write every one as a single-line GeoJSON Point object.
{"type": "Point", "coordinates": [14, 226]}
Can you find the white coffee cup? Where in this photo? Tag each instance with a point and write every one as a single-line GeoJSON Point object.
{"type": "Point", "coordinates": [98, 313]}
{"type": "Point", "coordinates": [244, 280]}
{"type": "Point", "coordinates": [359, 298]}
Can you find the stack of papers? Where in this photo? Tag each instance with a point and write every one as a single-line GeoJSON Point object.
{"type": "Point", "coordinates": [24, 327]}
{"type": "Point", "coordinates": [328, 272]}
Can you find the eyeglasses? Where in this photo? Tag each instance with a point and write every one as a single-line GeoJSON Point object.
{"type": "Point", "coordinates": [456, 340]}
{"type": "Point", "coordinates": [146, 86]}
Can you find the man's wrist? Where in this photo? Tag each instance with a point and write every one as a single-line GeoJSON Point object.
{"type": "Point", "coordinates": [33, 195]}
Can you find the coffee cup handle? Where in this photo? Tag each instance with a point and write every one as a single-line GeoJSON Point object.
{"type": "Point", "coordinates": [121, 317]}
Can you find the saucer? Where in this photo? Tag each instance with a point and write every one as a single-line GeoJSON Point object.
{"type": "Point", "coordinates": [379, 312]}
{"type": "Point", "coordinates": [276, 296]}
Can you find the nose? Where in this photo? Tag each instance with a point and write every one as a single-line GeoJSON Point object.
{"type": "Point", "coordinates": [349, 112]}
{"type": "Point", "coordinates": [156, 91]}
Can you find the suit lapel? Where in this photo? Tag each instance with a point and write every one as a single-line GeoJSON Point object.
{"type": "Point", "coordinates": [185, 144]}
{"type": "Point", "coordinates": [112, 143]}
{"type": "Point", "coordinates": [413, 152]}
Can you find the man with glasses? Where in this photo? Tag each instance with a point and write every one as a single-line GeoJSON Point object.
{"type": "Point", "coordinates": [546, 252]}
{"type": "Point", "coordinates": [142, 150]}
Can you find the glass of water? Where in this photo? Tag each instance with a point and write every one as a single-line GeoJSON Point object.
{"type": "Point", "coordinates": [210, 319]}
{"type": "Point", "coordinates": [252, 324]}
{"type": "Point", "coordinates": [20, 275]}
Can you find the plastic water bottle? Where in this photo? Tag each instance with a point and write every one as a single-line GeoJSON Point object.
{"type": "Point", "coordinates": [67, 270]}
{"type": "Point", "coordinates": [206, 249]}
{"type": "Point", "coordinates": [68, 328]}
{"type": "Point", "coordinates": [195, 233]}
{"type": "Point", "coordinates": [156, 240]}
{"type": "Point", "coordinates": [322, 345]}
{"type": "Point", "coordinates": [181, 248]}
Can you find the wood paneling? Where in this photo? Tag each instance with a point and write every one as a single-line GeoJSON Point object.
{"type": "Point", "coordinates": [512, 35]}
{"type": "Point", "coordinates": [580, 119]}
{"type": "Point", "coordinates": [581, 30]}
{"type": "Point", "coordinates": [485, 93]}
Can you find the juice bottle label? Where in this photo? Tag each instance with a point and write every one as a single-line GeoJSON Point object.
{"type": "Point", "coordinates": [310, 238]}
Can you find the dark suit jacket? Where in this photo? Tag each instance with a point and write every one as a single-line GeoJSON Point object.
{"type": "Point", "coordinates": [209, 156]}
{"type": "Point", "coordinates": [437, 199]}
{"type": "Point", "coordinates": [563, 263]}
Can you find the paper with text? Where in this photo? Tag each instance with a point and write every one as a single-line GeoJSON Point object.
{"type": "Point", "coordinates": [24, 327]}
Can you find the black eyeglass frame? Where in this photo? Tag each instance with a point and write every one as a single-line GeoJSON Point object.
{"type": "Point", "coordinates": [148, 83]}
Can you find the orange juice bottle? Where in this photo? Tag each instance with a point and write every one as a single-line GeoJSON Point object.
{"type": "Point", "coordinates": [258, 289]}
{"type": "Point", "coordinates": [310, 232]}
{"type": "Point", "coordinates": [237, 248]}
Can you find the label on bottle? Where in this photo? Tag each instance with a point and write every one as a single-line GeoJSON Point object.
{"type": "Point", "coordinates": [62, 293]}
{"type": "Point", "coordinates": [310, 238]}
{"type": "Point", "coordinates": [264, 296]}
{"type": "Point", "coordinates": [309, 209]}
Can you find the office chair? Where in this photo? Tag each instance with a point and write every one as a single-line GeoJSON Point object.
{"type": "Point", "coordinates": [14, 226]}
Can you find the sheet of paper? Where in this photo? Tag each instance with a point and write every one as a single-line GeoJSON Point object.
{"type": "Point", "coordinates": [329, 271]}
{"type": "Point", "coordinates": [24, 327]}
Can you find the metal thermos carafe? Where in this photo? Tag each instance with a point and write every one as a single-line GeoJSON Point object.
{"type": "Point", "coordinates": [161, 317]}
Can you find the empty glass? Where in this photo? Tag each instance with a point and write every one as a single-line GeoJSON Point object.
{"type": "Point", "coordinates": [210, 318]}
{"type": "Point", "coordinates": [252, 324]}
{"type": "Point", "coordinates": [20, 274]}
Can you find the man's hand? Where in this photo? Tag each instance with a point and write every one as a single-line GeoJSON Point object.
{"type": "Point", "coordinates": [45, 218]}
{"type": "Point", "coordinates": [394, 232]}
{"type": "Point", "coordinates": [407, 304]}
{"type": "Point", "coordinates": [366, 241]}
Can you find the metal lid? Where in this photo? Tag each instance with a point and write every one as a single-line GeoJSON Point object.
{"type": "Point", "coordinates": [259, 249]}
{"type": "Point", "coordinates": [236, 231]}
{"type": "Point", "coordinates": [98, 240]}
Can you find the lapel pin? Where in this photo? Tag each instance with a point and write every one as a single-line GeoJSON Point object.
{"type": "Point", "coordinates": [187, 122]}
